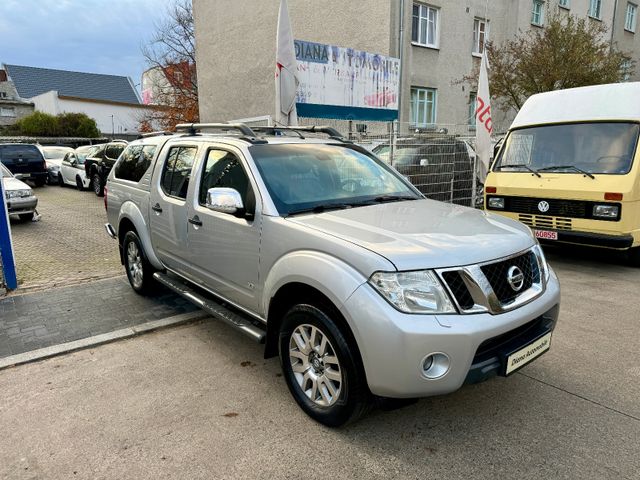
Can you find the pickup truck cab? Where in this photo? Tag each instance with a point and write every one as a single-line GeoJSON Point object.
{"type": "Point", "coordinates": [335, 261]}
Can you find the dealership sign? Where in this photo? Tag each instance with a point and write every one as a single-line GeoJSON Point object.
{"type": "Point", "coordinates": [343, 83]}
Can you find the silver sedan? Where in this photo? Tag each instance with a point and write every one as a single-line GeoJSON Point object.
{"type": "Point", "coordinates": [19, 196]}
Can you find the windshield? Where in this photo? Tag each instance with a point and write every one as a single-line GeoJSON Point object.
{"type": "Point", "coordinates": [602, 148]}
{"type": "Point", "coordinates": [51, 153]}
{"type": "Point", "coordinates": [305, 176]}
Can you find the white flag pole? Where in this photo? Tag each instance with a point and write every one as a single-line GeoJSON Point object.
{"type": "Point", "coordinates": [286, 77]}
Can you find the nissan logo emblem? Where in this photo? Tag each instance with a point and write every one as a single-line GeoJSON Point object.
{"type": "Point", "coordinates": [515, 277]}
{"type": "Point", "coordinates": [543, 206]}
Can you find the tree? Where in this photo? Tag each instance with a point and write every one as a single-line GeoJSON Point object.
{"type": "Point", "coordinates": [77, 125]}
{"type": "Point", "coordinates": [61, 125]}
{"type": "Point", "coordinates": [38, 123]}
{"type": "Point", "coordinates": [569, 52]}
{"type": "Point", "coordinates": [171, 58]}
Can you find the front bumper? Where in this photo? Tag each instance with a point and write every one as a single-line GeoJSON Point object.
{"type": "Point", "coordinates": [592, 239]}
{"type": "Point", "coordinates": [17, 206]}
{"type": "Point", "coordinates": [393, 345]}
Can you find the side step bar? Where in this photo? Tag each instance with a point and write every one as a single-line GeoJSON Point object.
{"type": "Point", "coordinates": [237, 321]}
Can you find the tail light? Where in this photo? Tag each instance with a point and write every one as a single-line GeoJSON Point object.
{"type": "Point", "coordinates": [105, 197]}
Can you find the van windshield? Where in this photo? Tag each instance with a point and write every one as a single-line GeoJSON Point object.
{"type": "Point", "coordinates": [600, 148]}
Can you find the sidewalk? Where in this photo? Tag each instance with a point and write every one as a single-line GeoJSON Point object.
{"type": "Point", "coordinates": [37, 320]}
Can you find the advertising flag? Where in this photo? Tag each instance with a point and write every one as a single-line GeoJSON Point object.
{"type": "Point", "coordinates": [484, 127]}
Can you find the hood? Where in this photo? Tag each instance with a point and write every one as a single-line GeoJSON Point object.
{"type": "Point", "coordinates": [54, 162]}
{"type": "Point", "coordinates": [11, 183]}
{"type": "Point", "coordinates": [422, 234]}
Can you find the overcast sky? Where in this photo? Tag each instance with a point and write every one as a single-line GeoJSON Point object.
{"type": "Point", "coordinates": [96, 36]}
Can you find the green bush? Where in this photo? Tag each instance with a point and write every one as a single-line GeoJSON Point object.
{"type": "Point", "coordinates": [62, 125]}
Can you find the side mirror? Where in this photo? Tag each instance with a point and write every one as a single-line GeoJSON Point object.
{"type": "Point", "coordinates": [224, 200]}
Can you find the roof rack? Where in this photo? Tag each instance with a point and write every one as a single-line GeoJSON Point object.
{"type": "Point", "coordinates": [154, 134]}
{"type": "Point", "coordinates": [330, 131]}
{"type": "Point", "coordinates": [195, 128]}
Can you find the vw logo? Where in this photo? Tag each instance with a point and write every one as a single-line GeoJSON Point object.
{"type": "Point", "coordinates": [543, 206]}
{"type": "Point", "coordinates": [515, 277]}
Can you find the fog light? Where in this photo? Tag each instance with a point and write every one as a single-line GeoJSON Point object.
{"type": "Point", "coordinates": [435, 365]}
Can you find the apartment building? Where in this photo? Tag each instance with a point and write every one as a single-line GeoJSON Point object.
{"type": "Point", "coordinates": [438, 42]}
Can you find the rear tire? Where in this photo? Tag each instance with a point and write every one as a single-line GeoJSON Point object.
{"type": "Point", "coordinates": [39, 182]}
{"type": "Point", "coordinates": [634, 257]}
{"type": "Point", "coordinates": [98, 187]}
{"type": "Point", "coordinates": [139, 270]}
{"type": "Point", "coordinates": [321, 368]}
{"type": "Point", "coordinates": [26, 217]}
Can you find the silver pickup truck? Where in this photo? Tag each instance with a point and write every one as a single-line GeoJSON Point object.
{"type": "Point", "coordinates": [314, 247]}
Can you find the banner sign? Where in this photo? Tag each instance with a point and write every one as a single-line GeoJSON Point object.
{"type": "Point", "coordinates": [343, 83]}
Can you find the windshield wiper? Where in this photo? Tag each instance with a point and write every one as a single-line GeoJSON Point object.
{"type": "Point", "coordinates": [393, 198]}
{"type": "Point", "coordinates": [573, 167]}
{"type": "Point", "coordinates": [324, 207]}
{"type": "Point", "coordinates": [515, 165]}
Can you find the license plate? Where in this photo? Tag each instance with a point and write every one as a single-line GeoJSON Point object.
{"type": "Point", "coordinates": [525, 355]}
{"type": "Point", "coordinates": [546, 234]}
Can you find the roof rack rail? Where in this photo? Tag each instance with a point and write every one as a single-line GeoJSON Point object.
{"type": "Point", "coordinates": [330, 131]}
{"type": "Point", "coordinates": [195, 128]}
{"type": "Point", "coordinates": [155, 134]}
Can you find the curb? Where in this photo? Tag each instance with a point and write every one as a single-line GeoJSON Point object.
{"type": "Point", "coordinates": [63, 348]}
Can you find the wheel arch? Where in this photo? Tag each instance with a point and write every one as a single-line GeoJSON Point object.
{"type": "Point", "coordinates": [131, 218]}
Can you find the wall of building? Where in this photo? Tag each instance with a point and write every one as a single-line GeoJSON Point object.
{"type": "Point", "coordinates": [12, 107]}
{"type": "Point", "coordinates": [126, 118]}
{"type": "Point", "coordinates": [236, 46]}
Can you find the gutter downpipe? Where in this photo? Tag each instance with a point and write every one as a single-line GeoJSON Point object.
{"type": "Point", "coordinates": [613, 24]}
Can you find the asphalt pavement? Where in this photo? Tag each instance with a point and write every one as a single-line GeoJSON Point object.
{"type": "Point", "coordinates": [198, 401]}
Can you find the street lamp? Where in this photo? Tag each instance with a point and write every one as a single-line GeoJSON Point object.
{"type": "Point", "coordinates": [112, 129]}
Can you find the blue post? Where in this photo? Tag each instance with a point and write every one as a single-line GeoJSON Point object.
{"type": "Point", "coordinates": [6, 246]}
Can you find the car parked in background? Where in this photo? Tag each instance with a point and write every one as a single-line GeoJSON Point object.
{"type": "Point", "coordinates": [440, 166]}
{"type": "Point", "coordinates": [19, 196]}
{"type": "Point", "coordinates": [98, 165]}
{"type": "Point", "coordinates": [53, 156]}
{"type": "Point", "coordinates": [72, 170]}
{"type": "Point", "coordinates": [25, 162]}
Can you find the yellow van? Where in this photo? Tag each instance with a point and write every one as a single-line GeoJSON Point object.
{"type": "Point", "coordinates": [569, 167]}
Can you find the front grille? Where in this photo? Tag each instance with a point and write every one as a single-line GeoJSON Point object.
{"type": "Point", "coordinates": [539, 221]}
{"type": "Point", "coordinates": [458, 289]}
{"type": "Point", "coordinates": [557, 207]}
{"type": "Point", "coordinates": [496, 274]}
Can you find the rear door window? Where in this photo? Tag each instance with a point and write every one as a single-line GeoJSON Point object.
{"type": "Point", "coordinates": [114, 151]}
{"type": "Point", "coordinates": [176, 172]}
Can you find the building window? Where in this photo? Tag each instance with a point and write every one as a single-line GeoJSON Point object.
{"type": "Point", "coordinates": [630, 17]}
{"type": "Point", "coordinates": [480, 34]}
{"type": "Point", "coordinates": [595, 9]}
{"type": "Point", "coordinates": [423, 106]}
{"type": "Point", "coordinates": [473, 102]}
{"type": "Point", "coordinates": [7, 112]}
{"type": "Point", "coordinates": [564, 4]}
{"type": "Point", "coordinates": [425, 25]}
{"type": "Point", "coordinates": [537, 13]}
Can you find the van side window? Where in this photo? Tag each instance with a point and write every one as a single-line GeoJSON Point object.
{"type": "Point", "coordinates": [177, 171]}
{"type": "Point", "coordinates": [135, 161]}
{"type": "Point", "coordinates": [224, 169]}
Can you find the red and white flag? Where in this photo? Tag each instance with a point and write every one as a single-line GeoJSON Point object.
{"type": "Point", "coordinates": [484, 127]}
{"type": "Point", "coordinates": [286, 70]}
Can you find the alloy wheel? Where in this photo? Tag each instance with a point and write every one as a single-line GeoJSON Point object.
{"type": "Point", "coordinates": [134, 264]}
{"type": "Point", "coordinates": [315, 365]}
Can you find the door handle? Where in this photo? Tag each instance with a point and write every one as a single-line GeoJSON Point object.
{"type": "Point", "coordinates": [157, 208]}
{"type": "Point", "coordinates": [195, 221]}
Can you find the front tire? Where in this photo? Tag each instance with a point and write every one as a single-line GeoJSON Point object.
{"type": "Point", "coordinates": [79, 184]}
{"type": "Point", "coordinates": [60, 180]}
{"type": "Point", "coordinates": [321, 368]}
{"type": "Point", "coordinates": [139, 270]}
{"type": "Point", "coordinates": [26, 217]}
{"type": "Point", "coordinates": [96, 182]}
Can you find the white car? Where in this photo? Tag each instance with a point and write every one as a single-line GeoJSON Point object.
{"type": "Point", "coordinates": [19, 196]}
{"type": "Point", "coordinates": [72, 168]}
{"type": "Point", "coordinates": [53, 157]}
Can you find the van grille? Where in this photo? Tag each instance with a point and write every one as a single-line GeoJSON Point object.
{"type": "Point", "coordinates": [557, 207]}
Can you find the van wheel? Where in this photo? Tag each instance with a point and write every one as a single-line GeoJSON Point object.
{"type": "Point", "coordinates": [98, 188]}
{"type": "Point", "coordinates": [139, 270]}
{"type": "Point", "coordinates": [634, 256]}
{"type": "Point", "coordinates": [320, 367]}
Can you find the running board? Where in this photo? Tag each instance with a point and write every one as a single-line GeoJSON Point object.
{"type": "Point", "coordinates": [235, 320]}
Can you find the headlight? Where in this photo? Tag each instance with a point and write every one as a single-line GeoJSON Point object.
{"type": "Point", "coordinates": [544, 266]}
{"type": "Point", "coordinates": [606, 211]}
{"type": "Point", "coordinates": [496, 202]}
{"type": "Point", "coordinates": [413, 292]}
{"type": "Point", "coordinates": [18, 193]}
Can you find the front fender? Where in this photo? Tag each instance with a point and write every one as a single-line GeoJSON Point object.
{"type": "Point", "coordinates": [131, 212]}
{"type": "Point", "coordinates": [334, 278]}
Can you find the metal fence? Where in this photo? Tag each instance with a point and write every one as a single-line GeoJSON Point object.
{"type": "Point", "coordinates": [438, 161]}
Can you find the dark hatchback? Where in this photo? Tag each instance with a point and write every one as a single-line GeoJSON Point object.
{"type": "Point", "coordinates": [25, 161]}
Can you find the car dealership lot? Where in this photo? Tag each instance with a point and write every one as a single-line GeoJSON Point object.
{"type": "Point", "coordinates": [68, 244]}
{"type": "Point", "coordinates": [200, 402]}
